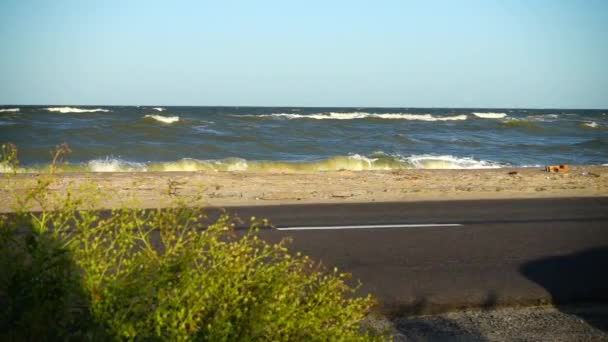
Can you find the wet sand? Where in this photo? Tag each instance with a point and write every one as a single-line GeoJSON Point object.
{"type": "Point", "coordinates": [222, 189]}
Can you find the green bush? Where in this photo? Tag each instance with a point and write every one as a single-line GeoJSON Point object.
{"type": "Point", "coordinates": [159, 275]}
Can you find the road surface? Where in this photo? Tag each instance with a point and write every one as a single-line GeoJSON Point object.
{"type": "Point", "coordinates": [432, 256]}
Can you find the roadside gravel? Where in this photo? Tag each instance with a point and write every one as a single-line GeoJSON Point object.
{"type": "Point", "coordinates": [546, 323]}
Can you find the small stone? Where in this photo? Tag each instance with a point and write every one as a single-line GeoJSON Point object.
{"type": "Point", "coordinates": [341, 194]}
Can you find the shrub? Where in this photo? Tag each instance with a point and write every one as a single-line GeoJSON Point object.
{"type": "Point", "coordinates": [71, 273]}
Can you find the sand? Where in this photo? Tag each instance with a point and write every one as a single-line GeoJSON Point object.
{"type": "Point", "coordinates": [239, 188]}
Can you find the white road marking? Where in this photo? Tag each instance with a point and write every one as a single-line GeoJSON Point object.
{"type": "Point", "coordinates": [378, 226]}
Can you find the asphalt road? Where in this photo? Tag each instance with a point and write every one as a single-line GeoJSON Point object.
{"type": "Point", "coordinates": [465, 253]}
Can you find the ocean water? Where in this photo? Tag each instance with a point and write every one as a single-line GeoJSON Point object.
{"type": "Point", "coordinates": [142, 138]}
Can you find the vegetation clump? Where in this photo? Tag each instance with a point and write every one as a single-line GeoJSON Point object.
{"type": "Point", "coordinates": [73, 273]}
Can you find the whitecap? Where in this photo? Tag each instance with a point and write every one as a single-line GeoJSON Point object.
{"type": "Point", "coordinates": [420, 117]}
{"type": "Point", "coordinates": [159, 109]}
{"type": "Point", "coordinates": [75, 110]}
{"type": "Point", "coordinates": [163, 119]}
{"type": "Point", "coordinates": [490, 115]}
{"type": "Point", "coordinates": [364, 115]}
{"type": "Point", "coordinates": [9, 110]}
{"type": "Point", "coordinates": [320, 116]}
{"type": "Point", "coordinates": [591, 124]}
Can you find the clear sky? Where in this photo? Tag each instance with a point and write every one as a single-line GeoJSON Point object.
{"type": "Point", "coordinates": [487, 53]}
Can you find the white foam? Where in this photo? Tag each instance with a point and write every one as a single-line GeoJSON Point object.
{"type": "Point", "coordinates": [159, 109]}
{"type": "Point", "coordinates": [237, 164]}
{"type": "Point", "coordinates": [365, 160]}
{"type": "Point", "coordinates": [9, 110]}
{"type": "Point", "coordinates": [75, 110]}
{"type": "Point", "coordinates": [490, 115]}
{"type": "Point", "coordinates": [420, 117]}
{"type": "Point", "coordinates": [320, 116]}
{"type": "Point", "coordinates": [114, 165]}
{"type": "Point", "coordinates": [206, 130]}
{"type": "Point", "coordinates": [163, 119]}
{"type": "Point", "coordinates": [449, 162]}
{"type": "Point", "coordinates": [591, 124]}
{"type": "Point", "coordinates": [363, 115]}
{"type": "Point", "coordinates": [543, 118]}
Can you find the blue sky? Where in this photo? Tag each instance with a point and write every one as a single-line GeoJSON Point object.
{"type": "Point", "coordinates": [488, 53]}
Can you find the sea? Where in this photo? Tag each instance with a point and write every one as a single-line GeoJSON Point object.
{"type": "Point", "coordinates": [167, 138]}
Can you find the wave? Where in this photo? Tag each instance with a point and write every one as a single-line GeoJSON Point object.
{"type": "Point", "coordinates": [206, 130]}
{"type": "Point", "coordinates": [490, 115]}
{"type": "Point", "coordinates": [159, 109]}
{"type": "Point", "coordinates": [517, 123]}
{"type": "Point", "coordinates": [364, 115]}
{"type": "Point", "coordinates": [543, 117]}
{"type": "Point", "coordinates": [163, 119]}
{"type": "Point", "coordinates": [75, 110]}
{"type": "Point", "coordinates": [593, 143]}
{"type": "Point", "coordinates": [6, 123]}
{"type": "Point", "coordinates": [114, 165]}
{"type": "Point", "coordinates": [450, 162]}
{"type": "Point", "coordinates": [353, 162]}
{"type": "Point", "coordinates": [9, 110]}
{"type": "Point", "coordinates": [590, 124]}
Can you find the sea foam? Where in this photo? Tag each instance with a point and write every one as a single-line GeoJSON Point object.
{"type": "Point", "coordinates": [114, 165]}
{"type": "Point", "coordinates": [163, 119]}
{"type": "Point", "coordinates": [590, 124]}
{"type": "Point", "coordinates": [352, 162]}
{"type": "Point", "coordinates": [75, 110]}
{"type": "Point", "coordinates": [490, 115]}
{"type": "Point", "coordinates": [159, 109]}
{"type": "Point", "coordinates": [364, 115]}
{"type": "Point", "coordinates": [449, 162]}
{"type": "Point", "coordinates": [9, 110]}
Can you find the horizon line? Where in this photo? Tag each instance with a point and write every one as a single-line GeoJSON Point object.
{"type": "Point", "coordinates": [292, 106]}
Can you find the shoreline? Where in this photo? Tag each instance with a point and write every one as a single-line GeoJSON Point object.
{"type": "Point", "coordinates": [247, 188]}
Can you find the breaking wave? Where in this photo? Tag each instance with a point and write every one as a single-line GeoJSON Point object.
{"type": "Point", "coordinates": [75, 110]}
{"type": "Point", "coordinates": [490, 115]}
{"type": "Point", "coordinates": [159, 109]}
{"type": "Point", "coordinates": [114, 165]}
{"type": "Point", "coordinates": [353, 162]}
{"type": "Point", "coordinates": [590, 124]}
{"type": "Point", "coordinates": [450, 162]}
{"type": "Point", "coordinates": [9, 110]}
{"type": "Point", "coordinates": [163, 119]}
{"type": "Point", "coordinates": [364, 115]}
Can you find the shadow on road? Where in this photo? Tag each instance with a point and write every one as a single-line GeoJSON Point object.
{"type": "Point", "coordinates": [576, 278]}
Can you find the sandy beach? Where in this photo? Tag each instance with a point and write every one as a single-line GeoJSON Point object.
{"type": "Point", "coordinates": [224, 189]}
